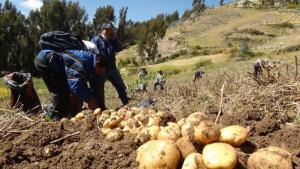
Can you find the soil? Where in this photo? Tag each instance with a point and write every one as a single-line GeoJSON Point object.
{"type": "Point", "coordinates": [90, 149]}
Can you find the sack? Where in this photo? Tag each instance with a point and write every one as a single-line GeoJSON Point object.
{"type": "Point", "coordinates": [23, 94]}
{"type": "Point", "coordinates": [60, 41]}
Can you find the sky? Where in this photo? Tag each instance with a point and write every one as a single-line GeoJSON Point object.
{"type": "Point", "coordinates": [138, 10]}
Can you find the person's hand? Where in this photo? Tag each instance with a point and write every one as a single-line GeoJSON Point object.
{"type": "Point", "coordinates": [92, 104]}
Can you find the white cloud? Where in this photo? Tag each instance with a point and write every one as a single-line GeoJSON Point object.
{"type": "Point", "coordinates": [32, 4]}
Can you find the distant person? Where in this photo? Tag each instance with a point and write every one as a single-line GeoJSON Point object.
{"type": "Point", "coordinates": [160, 80]}
{"type": "Point", "coordinates": [142, 81]}
{"type": "Point", "coordinates": [142, 73]}
{"type": "Point", "coordinates": [259, 65]}
{"type": "Point", "coordinates": [108, 44]}
{"type": "Point", "coordinates": [198, 75]}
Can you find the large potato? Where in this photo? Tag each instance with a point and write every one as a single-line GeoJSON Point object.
{"type": "Point", "coordinates": [193, 161]}
{"type": "Point", "coordinates": [234, 135]}
{"type": "Point", "coordinates": [219, 156]}
{"type": "Point", "coordinates": [207, 132]}
{"type": "Point", "coordinates": [158, 154]}
{"type": "Point", "coordinates": [169, 133]}
{"type": "Point", "coordinates": [147, 134]}
{"type": "Point", "coordinates": [270, 158]}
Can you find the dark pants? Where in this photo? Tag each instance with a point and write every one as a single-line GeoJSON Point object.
{"type": "Point", "coordinates": [257, 69]}
{"type": "Point", "coordinates": [114, 76]}
{"type": "Point", "coordinates": [161, 85]}
{"type": "Point", "coordinates": [57, 85]}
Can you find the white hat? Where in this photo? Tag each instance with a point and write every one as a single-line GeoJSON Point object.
{"type": "Point", "coordinates": [91, 47]}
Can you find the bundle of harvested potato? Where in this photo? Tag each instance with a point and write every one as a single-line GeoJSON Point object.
{"type": "Point", "coordinates": [147, 134]}
{"type": "Point", "coordinates": [234, 135]}
{"type": "Point", "coordinates": [207, 132]}
{"type": "Point", "coordinates": [158, 154]}
{"type": "Point", "coordinates": [193, 161]}
{"type": "Point", "coordinates": [219, 155]}
{"type": "Point", "coordinates": [270, 158]}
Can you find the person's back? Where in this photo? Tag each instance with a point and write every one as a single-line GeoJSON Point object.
{"type": "Point", "coordinates": [198, 74]}
{"type": "Point", "coordinates": [65, 73]}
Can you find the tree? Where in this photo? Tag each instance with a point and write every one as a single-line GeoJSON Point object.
{"type": "Point", "coordinates": [102, 15]}
{"type": "Point", "coordinates": [198, 6]}
{"type": "Point", "coordinates": [122, 24]}
{"type": "Point", "coordinates": [221, 2]}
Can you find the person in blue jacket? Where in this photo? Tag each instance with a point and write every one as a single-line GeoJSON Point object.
{"type": "Point", "coordinates": [67, 73]}
{"type": "Point", "coordinates": [108, 45]}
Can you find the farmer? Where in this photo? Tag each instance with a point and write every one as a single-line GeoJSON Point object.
{"type": "Point", "coordinates": [66, 74]}
{"type": "Point", "coordinates": [143, 73]}
{"type": "Point", "coordinates": [142, 81]}
{"type": "Point", "coordinates": [259, 65]}
{"type": "Point", "coordinates": [198, 74]}
{"type": "Point", "coordinates": [160, 80]}
{"type": "Point", "coordinates": [108, 45]}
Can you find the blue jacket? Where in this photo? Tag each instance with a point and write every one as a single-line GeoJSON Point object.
{"type": "Point", "coordinates": [77, 65]}
{"type": "Point", "coordinates": [108, 49]}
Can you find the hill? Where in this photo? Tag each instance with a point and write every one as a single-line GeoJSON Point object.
{"type": "Point", "coordinates": [268, 33]}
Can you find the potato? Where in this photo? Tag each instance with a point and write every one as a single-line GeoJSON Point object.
{"type": "Point", "coordinates": [219, 155]}
{"type": "Point", "coordinates": [115, 135]}
{"type": "Point", "coordinates": [102, 118]}
{"type": "Point", "coordinates": [73, 119]}
{"type": "Point", "coordinates": [270, 158]}
{"type": "Point", "coordinates": [154, 121]}
{"type": "Point", "coordinates": [169, 133]}
{"type": "Point", "coordinates": [194, 161]}
{"type": "Point", "coordinates": [181, 122]}
{"type": "Point", "coordinates": [113, 122]}
{"type": "Point", "coordinates": [147, 134]}
{"type": "Point", "coordinates": [105, 131]}
{"type": "Point", "coordinates": [185, 146]}
{"type": "Point", "coordinates": [207, 132]}
{"type": "Point", "coordinates": [175, 126]}
{"type": "Point", "coordinates": [129, 114]}
{"type": "Point", "coordinates": [97, 112]}
{"type": "Point", "coordinates": [158, 154]}
{"type": "Point", "coordinates": [80, 116]}
{"type": "Point", "coordinates": [196, 118]}
{"type": "Point", "coordinates": [162, 114]}
{"type": "Point", "coordinates": [187, 129]}
{"type": "Point", "coordinates": [151, 111]}
{"type": "Point", "coordinates": [234, 135]}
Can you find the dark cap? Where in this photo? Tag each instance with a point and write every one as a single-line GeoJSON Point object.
{"type": "Point", "coordinates": [108, 25]}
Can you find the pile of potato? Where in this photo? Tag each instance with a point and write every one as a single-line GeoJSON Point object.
{"type": "Point", "coordinates": [165, 144]}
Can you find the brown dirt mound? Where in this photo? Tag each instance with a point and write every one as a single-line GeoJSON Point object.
{"type": "Point", "coordinates": [89, 149]}
{"type": "Point", "coordinates": [264, 132]}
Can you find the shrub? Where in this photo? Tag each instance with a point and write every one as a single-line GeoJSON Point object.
{"type": "Point", "coordinates": [204, 63]}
